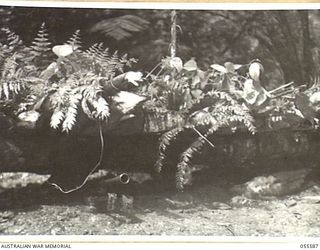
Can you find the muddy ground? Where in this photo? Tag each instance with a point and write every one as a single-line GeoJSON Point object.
{"type": "Point", "coordinates": [209, 207]}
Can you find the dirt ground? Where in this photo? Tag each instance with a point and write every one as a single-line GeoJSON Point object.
{"type": "Point", "coordinates": [28, 206]}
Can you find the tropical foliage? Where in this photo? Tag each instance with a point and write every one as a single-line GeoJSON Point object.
{"type": "Point", "coordinates": [67, 80]}
{"type": "Point", "coordinates": [66, 77]}
{"type": "Point", "coordinates": [287, 41]}
{"type": "Point", "coordinates": [223, 99]}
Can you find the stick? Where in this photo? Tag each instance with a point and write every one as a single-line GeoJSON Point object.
{"type": "Point", "coordinates": [202, 136]}
{"type": "Point", "coordinates": [281, 87]}
{"type": "Point", "coordinates": [173, 46]}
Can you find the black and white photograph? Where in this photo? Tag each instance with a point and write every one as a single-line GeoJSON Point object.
{"type": "Point", "coordinates": [160, 122]}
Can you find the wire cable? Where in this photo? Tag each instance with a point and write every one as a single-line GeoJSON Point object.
{"type": "Point", "coordinates": [92, 170]}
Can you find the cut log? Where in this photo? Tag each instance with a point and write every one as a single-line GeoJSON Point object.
{"type": "Point", "coordinates": [47, 153]}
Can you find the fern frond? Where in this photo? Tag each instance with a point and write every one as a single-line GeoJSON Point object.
{"type": "Point", "coordinates": [9, 67]}
{"type": "Point", "coordinates": [12, 80]}
{"type": "Point", "coordinates": [70, 119]}
{"type": "Point", "coordinates": [115, 60]}
{"type": "Point", "coordinates": [243, 115]}
{"type": "Point", "coordinates": [60, 98]}
{"type": "Point", "coordinates": [5, 89]}
{"type": "Point", "coordinates": [102, 63]}
{"type": "Point", "coordinates": [164, 142]}
{"type": "Point", "coordinates": [223, 114]}
{"type": "Point", "coordinates": [224, 96]}
{"type": "Point", "coordinates": [235, 115]}
{"type": "Point", "coordinates": [214, 111]}
{"type": "Point", "coordinates": [56, 118]}
{"type": "Point", "coordinates": [99, 58]}
{"type": "Point", "coordinates": [95, 51]}
{"type": "Point", "coordinates": [220, 108]}
{"type": "Point", "coordinates": [41, 43]}
{"type": "Point", "coordinates": [127, 61]}
{"type": "Point", "coordinates": [70, 115]}
{"type": "Point", "coordinates": [75, 40]}
{"type": "Point", "coordinates": [92, 89]}
{"type": "Point", "coordinates": [102, 108]}
{"type": "Point", "coordinates": [86, 109]}
{"type": "Point", "coordinates": [14, 40]}
{"type": "Point", "coordinates": [183, 172]}
{"type": "Point", "coordinates": [39, 52]}
{"type": "Point", "coordinates": [103, 55]}
{"type": "Point", "coordinates": [69, 83]}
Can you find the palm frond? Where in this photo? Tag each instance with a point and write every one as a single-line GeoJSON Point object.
{"type": "Point", "coordinates": [121, 27]}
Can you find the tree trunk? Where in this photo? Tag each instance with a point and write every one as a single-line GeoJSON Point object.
{"type": "Point", "coordinates": [279, 40]}
{"type": "Point", "coordinates": [307, 64]}
{"type": "Point", "coordinates": [289, 61]}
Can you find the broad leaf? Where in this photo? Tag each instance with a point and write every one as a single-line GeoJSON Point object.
{"type": "Point", "coordinates": [190, 65]}
{"type": "Point", "coordinates": [176, 63]}
{"type": "Point", "coordinates": [315, 98]}
{"type": "Point", "coordinates": [63, 50]}
{"type": "Point", "coordinates": [133, 77]}
{"type": "Point", "coordinates": [127, 101]}
{"type": "Point", "coordinates": [219, 68]}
